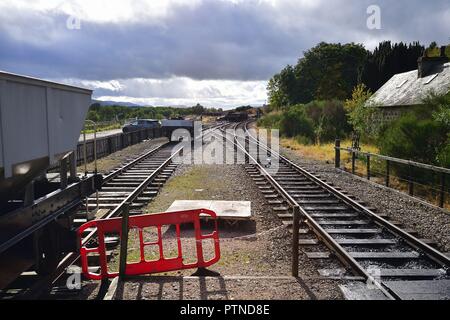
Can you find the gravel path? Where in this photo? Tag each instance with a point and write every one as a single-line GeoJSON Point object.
{"type": "Point", "coordinates": [228, 288]}
{"type": "Point", "coordinates": [260, 248]}
{"type": "Point", "coordinates": [430, 222]}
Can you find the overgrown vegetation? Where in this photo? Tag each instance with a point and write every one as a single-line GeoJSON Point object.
{"type": "Point", "coordinates": [327, 71]}
{"type": "Point", "coordinates": [99, 113]}
{"type": "Point", "coordinates": [360, 115]}
{"type": "Point", "coordinates": [331, 71]}
{"type": "Point", "coordinates": [315, 122]}
{"type": "Point", "coordinates": [423, 134]}
{"type": "Point", "coordinates": [325, 96]}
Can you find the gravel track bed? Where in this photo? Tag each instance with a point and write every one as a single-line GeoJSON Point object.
{"type": "Point", "coordinates": [430, 222]}
{"type": "Point", "coordinates": [112, 161]}
{"type": "Point", "coordinates": [260, 248]}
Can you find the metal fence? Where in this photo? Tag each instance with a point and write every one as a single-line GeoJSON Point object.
{"type": "Point", "coordinates": [104, 146]}
{"type": "Point", "coordinates": [110, 144]}
{"type": "Point", "coordinates": [425, 181]}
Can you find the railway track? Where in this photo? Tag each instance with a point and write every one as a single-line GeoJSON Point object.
{"type": "Point", "coordinates": [332, 224]}
{"type": "Point", "coordinates": [134, 183]}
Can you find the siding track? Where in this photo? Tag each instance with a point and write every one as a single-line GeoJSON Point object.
{"type": "Point", "coordinates": [331, 223]}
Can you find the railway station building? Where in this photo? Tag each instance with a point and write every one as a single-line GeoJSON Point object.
{"type": "Point", "coordinates": [408, 89]}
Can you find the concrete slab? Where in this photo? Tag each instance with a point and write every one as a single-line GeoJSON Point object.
{"type": "Point", "coordinates": [421, 290]}
{"type": "Point", "coordinates": [225, 210]}
{"type": "Point", "coordinates": [360, 291]}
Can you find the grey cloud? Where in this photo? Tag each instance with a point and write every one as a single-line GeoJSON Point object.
{"type": "Point", "coordinates": [215, 40]}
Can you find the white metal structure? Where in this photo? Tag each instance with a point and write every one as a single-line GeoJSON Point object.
{"type": "Point", "coordinates": [40, 123]}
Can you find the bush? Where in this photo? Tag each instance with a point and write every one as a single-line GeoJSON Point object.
{"type": "Point", "coordinates": [303, 140]}
{"type": "Point", "coordinates": [270, 121]}
{"type": "Point", "coordinates": [295, 122]}
{"type": "Point", "coordinates": [361, 115]}
{"type": "Point", "coordinates": [329, 120]}
{"type": "Point", "coordinates": [318, 121]}
{"type": "Point", "coordinates": [410, 137]}
{"type": "Point", "coordinates": [443, 157]}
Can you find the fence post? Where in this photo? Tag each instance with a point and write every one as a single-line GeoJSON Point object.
{"type": "Point", "coordinates": [388, 164]}
{"type": "Point", "coordinates": [337, 153]}
{"type": "Point", "coordinates": [110, 148]}
{"type": "Point", "coordinates": [63, 173]}
{"type": "Point", "coordinates": [73, 165]}
{"type": "Point", "coordinates": [124, 240]}
{"type": "Point", "coordinates": [353, 161]}
{"type": "Point", "coordinates": [295, 230]}
{"type": "Point", "coordinates": [368, 167]}
{"type": "Point", "coordinates": [410, 182]}
{"type": "Point", "coordinates": [247, 147]}
{"type": "Point", "coordinates": [442, 197]}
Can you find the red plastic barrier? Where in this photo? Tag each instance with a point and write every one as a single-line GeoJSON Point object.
{"type": "Point", "coordinates": [143, 221]}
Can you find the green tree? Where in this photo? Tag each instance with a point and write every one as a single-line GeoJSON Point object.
{"type": "Point", "coordinates": [295, 122]}
{"type": "Point", "coordinates": [360, 114]}
{"type": "Point", "coordinates": [282, 88]}
{"type": "Point", "coordinates": [198, 109]}
{"type": "Point", "coordinates": [388, 59]}
{"type": "Point", "coordinates": [327, 71]}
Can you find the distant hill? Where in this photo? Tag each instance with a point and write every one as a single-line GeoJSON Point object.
{"type": "Point", "coordinates": [116, 103]}
{"type": "Point", "coordinates": [130, 104]}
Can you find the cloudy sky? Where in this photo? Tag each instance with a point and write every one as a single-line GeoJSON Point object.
{"type": "Point", "coordinates": [180, 52]}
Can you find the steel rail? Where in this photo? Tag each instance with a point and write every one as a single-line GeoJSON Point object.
{"type": "Point", "coordinates": [414, 242]}
{"type": "Point", "coordinates": [334, 247]}
{"type": "Point", "coordinates": [115, 173]}
{"type": "Point", "coordinates": [46, 282]}
{"type": "Point", "coordinates": [72, 257]}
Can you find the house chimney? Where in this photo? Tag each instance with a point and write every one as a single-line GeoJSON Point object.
{"type": "Point", "coordinates": [443, 55]}
{"type": "Point", "coordinates": [426, 64]}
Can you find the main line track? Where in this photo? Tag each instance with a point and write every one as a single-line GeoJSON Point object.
{"type": "Point", "coordinates": [332, 224]}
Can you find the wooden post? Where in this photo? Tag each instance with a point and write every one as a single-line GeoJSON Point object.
{"type": "Point", "coordinates": [388, 164]}
{"type": "Point", "coordinates": [91, 150]}
{"type": "Point", "coordinates": [110, 145]}
{"type": "Point", "coordinates": [337, 153]}
{"type": "Point", "coordinates": [247, 147]}
{"type": "Point", "coordinates": [63, 173]}
{"type": "Point", "coordinates": [353, 161]}
{"type": "Point", "coordinates": [368, 167]}
{"type": "Point", "coordinates": [29, 194]}
{"type": "Point", "coordinates": [85, 152]}
{"type": "Point", "coordinates": [442, 197]}
{"type": "Point", "coordinates": [73, 165]}
{"type": "Point", "coordinates": [410, 182]}
{"type": "Point", "coordinates": [124, 240]}
{"type": "Point", "coordinates": [295, 230]}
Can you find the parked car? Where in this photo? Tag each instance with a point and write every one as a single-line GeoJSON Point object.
{"type": "Point", "coordinates": [141, 124]}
